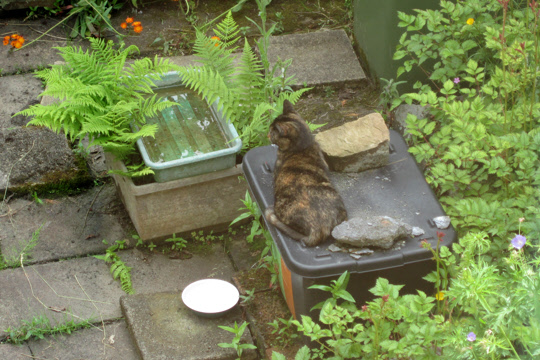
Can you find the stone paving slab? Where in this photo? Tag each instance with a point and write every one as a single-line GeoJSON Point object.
{"type": "Point", "coordinates": [15, 352]}
{"type": "Point", "coordinates": [70, 226]}
{"type": "Point", "coordinates": [55, 284]}
{"type": "Point", "coordinates": [18, 93]}
{"type": "Point", "coordinates": [109, 342]}
{"type": "Point", "coordinates": [34, 156]}
{"type": "Point", "coordinates": [164, 328]}
{"type": "Point", "coordinates": [318, 58]}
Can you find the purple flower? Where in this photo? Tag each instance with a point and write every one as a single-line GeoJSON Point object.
{"type": "Point", "coordinates": [456, 80]}
{"type": "Point", "coordinates": [471, 336]}
{"type": "Point", "coordinates": [519, 241]}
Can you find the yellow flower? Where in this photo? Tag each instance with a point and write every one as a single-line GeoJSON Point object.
{"type": "Point", "coordinates": [439, 296]}
{"type": "Point", "coordinates": [470, 21]}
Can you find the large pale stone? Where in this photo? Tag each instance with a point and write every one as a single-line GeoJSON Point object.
{"type": "Point", "coordinates": [357, 145]}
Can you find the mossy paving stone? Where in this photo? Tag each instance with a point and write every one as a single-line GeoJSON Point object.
{"type": "Point", "coordinates": [164, 328]}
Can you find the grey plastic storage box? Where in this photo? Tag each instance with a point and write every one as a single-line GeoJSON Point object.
{"type": "Point", "coordinates": [179, 130]}
{"type": "Point", "coordinates": [398, 190]}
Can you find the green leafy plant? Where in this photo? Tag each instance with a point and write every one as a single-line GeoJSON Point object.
{"type": "Point", "coordinates": [24, 250]}
{"type": "Point", "coordinates": [139, 241]}
{"type": "Point", "coordinates": [209, 238]}
{"type": "Point", "coordinates": [279, 23]}
{"type": "Point", "coordinates": [40, 326]}
{"type": "Point", "coordinates": [302, 354]}
{"type": "Point", "coordinates": [269, 257]}
{"type": "Point", "coordinates": [389, 98]}
{"type": "Point", "coordinates": [188, 7]}
{"type": "Point", "coordinates": [480, 145]}
{"type": "Point", "coordinates": [286, 333]}
{"type": "Point", "coordinates": [235, 344]}
{"type": "Point", "coordinates": [93, 16]}
{"type": "Point", "coordinates": [178, 243]}
{"type": "Point", "coordinates": [119, 270]}
{"type": "Point", "coordinates": [251, 95]}
{"type": "Point", "coordinates": [505, 320]}
{"type": "Point", "coordinates": [251, 210]}
{"type": "Point", "coordinates": [36, 198]}
{"type": "Point", "coordinates": [101, 97]}
{"type": "Point", "coordinates": [248, 298]}
{"type": "Point", "coordinates": [338, 290]}
{"type": "Point", "coordinates": [391, 326]}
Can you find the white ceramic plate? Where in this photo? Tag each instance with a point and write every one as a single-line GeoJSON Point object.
{"type": "Point", "coordinates": [210, 296]}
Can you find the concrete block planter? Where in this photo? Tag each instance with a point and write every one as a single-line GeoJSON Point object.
{"type": "Point", "coordinates": [181, 206]}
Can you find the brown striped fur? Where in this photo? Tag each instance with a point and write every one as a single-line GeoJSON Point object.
{"type": "Point", "coordinates": [306, 207]}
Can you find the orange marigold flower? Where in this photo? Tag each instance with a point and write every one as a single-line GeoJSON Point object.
{"type": "Point", "coordinates": [16, 44]}
{"type": "Point", "coordinates": [6, 39]}
{"type": "Point", "coordinates": [136, 23]}
{"type": "Point", "coordinates": [123, 25]}
{"type": "Point", "coordinates": [216, 40]}
{"type": "Point", "coordinates": [138, 29]}
{"type": "Point", "coordinates": [15, 36]}
{"type": "Point", "coordinates": [129, 20]}
{"type": "Point", "coordinates": [21, 40]}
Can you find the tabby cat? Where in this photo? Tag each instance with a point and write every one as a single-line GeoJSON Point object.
{"type": "Point", "coordinates": [306, 207]}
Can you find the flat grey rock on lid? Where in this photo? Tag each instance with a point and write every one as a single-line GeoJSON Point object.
{"type": "Point", "coordinates": [318, 58]}
{"type": "Point", "coordinates": [376, 231]}
{"type": "Point", "coordinates": [357, 145]}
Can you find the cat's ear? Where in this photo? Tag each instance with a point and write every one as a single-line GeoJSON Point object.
{"type": "Point", "coordinates": [287, 107]}
{"type": "Point", "coordinates": [282, 129]}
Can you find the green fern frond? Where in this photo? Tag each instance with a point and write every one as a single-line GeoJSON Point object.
{"type": "Point", "coordinates": [293, 96]}
{"type": "Point", "coordinates": [150, 106]}
{"type": "Point", "coordinates": [228, 31]}
{"type": "Point", "coordinates": [99, 96]}
{"type": "Point", "coordinates": [215, 57]}
{"type": "Point", "coordinates": [134, 171]}
{"type": "Point", "coordinates": [208, 83]}
{"type": "Point", "coordinates": [145, 131]}
{"type": "Point", "coordinates": [120, 271]}
{"type": "Point", "coordinates": [249, 78]}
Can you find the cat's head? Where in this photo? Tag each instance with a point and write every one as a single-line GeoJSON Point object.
{"type": "Point", "coordinates": [289, 131]}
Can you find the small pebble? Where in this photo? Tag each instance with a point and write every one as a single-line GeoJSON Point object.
{"type": "Point", "coordinates": [416, 231]}
{"type": "Point", "coordinates": [356, 257]}
{"type": "Point", "coordinates": [334, 248]}
{"type": "Point", "coordinates": [362, 252]}
{"type": "Point", "coordinates": [442, 222]}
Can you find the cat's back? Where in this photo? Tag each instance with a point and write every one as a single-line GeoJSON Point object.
{"type": "Point", "coordinates": [305, 199]}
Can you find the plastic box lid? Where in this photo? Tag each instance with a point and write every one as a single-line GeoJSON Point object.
{"type": "Point", "coordinates": [398, 190]}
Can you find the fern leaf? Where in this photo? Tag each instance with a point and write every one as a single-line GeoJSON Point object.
{"type": "Point", "coordinates": [215, 57]}
{"type": "Point", "coordinates": [228, 31]}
